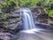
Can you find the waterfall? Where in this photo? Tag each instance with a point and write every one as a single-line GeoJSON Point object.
{"type": "Point", "coordinates": [27, 20]}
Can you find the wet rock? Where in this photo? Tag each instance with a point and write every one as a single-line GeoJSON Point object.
{"type": "Point", "coordinates": [2, 1]}
{"type": "Point", "coordinates": [5, 36]}
{"type": "Point", "coordinates": [40, 17]}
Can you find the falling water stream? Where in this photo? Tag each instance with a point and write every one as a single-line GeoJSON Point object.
{"type": "Point", "coordinates": [27, 21]}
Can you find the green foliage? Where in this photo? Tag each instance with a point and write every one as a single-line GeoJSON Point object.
{"type": "Point", "coordinates": [4, 16]}
{"type": "Point", "coordinates": [8, 2]}
{"type": "Point", "coordinates": [34, 2]}
{"type": "Point", "coordinates": [49, 5]}
{"type": "Point", "coordinates": [19, 3]}
{"type": "Point", "coordinates": [50, 13]}
{"type": "Point", "coordinates": [28, 3]}
{"type": "Point", "coordinates": [44, 3]}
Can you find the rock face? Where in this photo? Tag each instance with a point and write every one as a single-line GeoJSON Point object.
{"type": "Point", "coordinates": [5, 36]}
{"type": "Point", "coordinates": [11, 25]}
{"type": "Point", "coordinates": [2, 1]}
{"type": "Point", "coordinates": [12, 22]}
{"type": "Point", "coordinates": [41, 17]}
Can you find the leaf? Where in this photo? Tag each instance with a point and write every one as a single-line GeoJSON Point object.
{"type": "Point", "coordinates": [50, 13]}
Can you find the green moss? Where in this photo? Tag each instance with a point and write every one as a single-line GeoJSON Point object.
{"type": "Point", "coordinates": [18, 19]}
{"type": "Point", "coordinates": [4, 16]}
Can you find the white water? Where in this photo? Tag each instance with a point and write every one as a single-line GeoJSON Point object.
{"type": "Point", "coordinates": [27, 20]}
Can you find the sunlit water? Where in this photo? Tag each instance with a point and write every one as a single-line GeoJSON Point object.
{"type": "Point", "coordinates": [27, 20]}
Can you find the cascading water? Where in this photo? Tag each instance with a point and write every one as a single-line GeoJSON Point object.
{"type": "Point", "coordinates": [27, 20]}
